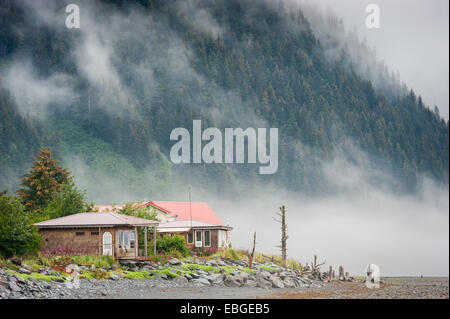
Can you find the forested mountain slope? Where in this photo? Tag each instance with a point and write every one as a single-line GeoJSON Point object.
{"type": "Point", "coordinates": [106, 96]}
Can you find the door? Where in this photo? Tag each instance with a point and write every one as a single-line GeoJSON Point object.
{"type": "Point", "coordinates": [107, 244]}
{"type": "Point", "coordinates": [198, 238]}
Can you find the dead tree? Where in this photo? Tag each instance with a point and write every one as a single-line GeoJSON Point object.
{"type": "Point", "coordinates": [254, 244]}
{"type": "Point", "coordinates": [252, 256]}
{"type": "Point", "coordinates": [315, 268]}
{"type": "Point", "coordinates": [284, 235]}
{"type": "Point", "coordinates": [341, 273]}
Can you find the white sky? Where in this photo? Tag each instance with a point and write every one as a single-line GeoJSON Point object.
{"type": "Point", "coordinates": [413, 39]}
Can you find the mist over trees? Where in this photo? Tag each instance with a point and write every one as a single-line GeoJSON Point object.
{"type": "Point", "coordinates": [112, 91]}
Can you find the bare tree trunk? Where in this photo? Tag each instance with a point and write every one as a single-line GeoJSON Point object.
{"type": "Point", "coordinates": [284, 235]}
{"type": "Point", "coordinates": [252, 256]}
{"type": "Point", "coordinates": [341, 273]}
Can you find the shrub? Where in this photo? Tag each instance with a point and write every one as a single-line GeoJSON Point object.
{"type": "Point", "coordinates": [18, 236]}
{"type": "Point", "coordinates": [168, 244]}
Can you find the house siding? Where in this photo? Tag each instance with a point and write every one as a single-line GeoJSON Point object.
{"type": "Point", "coordinates": [214, 247]}
{"type": "Point", "coordinates": [86, 244]}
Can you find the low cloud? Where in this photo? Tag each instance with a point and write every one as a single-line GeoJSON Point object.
{"type": "Point", "coordinates": [33, 93]}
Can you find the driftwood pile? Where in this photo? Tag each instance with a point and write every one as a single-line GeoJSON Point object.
{"type": "Point", "coordinates": [313, 272]}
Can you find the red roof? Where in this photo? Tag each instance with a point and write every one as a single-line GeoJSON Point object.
{"type": "Point", "coordinates": [200, 211]}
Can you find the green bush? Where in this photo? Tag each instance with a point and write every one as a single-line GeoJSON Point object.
{"type": "Point", "coordinates": [169, 244]}
{"type": "Point", "coordinates": [18, 236]}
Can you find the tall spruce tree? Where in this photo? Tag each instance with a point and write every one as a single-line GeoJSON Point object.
{"type": "Point", "coordinates": [45, 179]}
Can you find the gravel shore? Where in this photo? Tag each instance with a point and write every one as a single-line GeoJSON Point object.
{"type": "Point", "coordinates": [391, 288]}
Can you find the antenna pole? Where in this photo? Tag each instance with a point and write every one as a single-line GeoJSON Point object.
{"type": "Point", "coordinates": [190, 204]}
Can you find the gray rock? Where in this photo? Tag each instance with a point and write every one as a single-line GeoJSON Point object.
{"type": "Point", "coordinates": [251, 283]}
{"type": "Point", "coordinates": [215, 279]}
{"type": "Point", "coordinates": [27, 267]}
{"type": "Point", "coordinates": [114, 277]}
{"type": "Point", "coordinates": [14, 287]}
{"type": "Point", "coordinates": [201, 282]}
{"type": "Point", "coordinates": [230, 281]}
{"type": "Point", "coordinates": [161, 276]}
{"type": "Point", "coordinates": [181, 279]}
{"type": "Point", "coordinates": [244, 274]}
{"type": "Point", "coordinates": [276, 282]}
{"type": "Point", "coordinates": [174, 261]}
{"type": "Point", "coordinates": [58, 280]}
{"type": "Point", "coordinates": [264, 283]}
{"type": "Point", "coordinates": [289, 282]}
{"type": "Point", "coordinates": [264, 274]}
{"type": "Point", "coordinates": [195, 275]}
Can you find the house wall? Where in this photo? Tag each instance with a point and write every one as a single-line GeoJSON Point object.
{"type": "Point", "coordinates": [88, 243]}
{"type": "Point", "coordinates": [161, 215]}
{"type": "Point", "coordinates": [214, 240]}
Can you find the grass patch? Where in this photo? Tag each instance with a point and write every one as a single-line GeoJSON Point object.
{"type": "Point", "coordinates": [168, 272]}
{"type": "Point", "coordinates": [98, 261]}
{"type": "Point", "coordinates": [7, 264]}
{"type": "Point", "coordinates": [267, 268]}
{"type": "Point", "coordinates": [35, 275]}
{"type": "Point", "coordinates": [201, 267]}
{"type": "Point", "coordinates": [136, 274]}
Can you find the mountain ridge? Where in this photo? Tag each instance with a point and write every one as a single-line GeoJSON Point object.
{"type": "Point", "coordinates": [128, 84]}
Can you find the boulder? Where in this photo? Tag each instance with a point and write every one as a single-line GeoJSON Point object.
{"type": "Point", "coordinates": [264, 274]}
{"type": "Point", "coordinates": [3, 283]}
{"type": "Point", "coordinates": [240, 279]}
{"type": "Point", "coordinates": [14, 287]}
{"type": "Point", "coordinates": [181, 279]}
{"type": "Point", "coordinates": [276, 282]}
{"type": "Point", "coordinates": [174, 261]}
{"type": "Point", "coordinates": [251, 283]}
{"type": "Point", "coordinates": [289, 282]}
{"type": "Point", "coordinates": [23, 270]}
{"type": "Point", "coordinates": [244, 274]}
{"type": "Point", "coordinates": [201, 282]}
{"type": "Point", "coordinates": [263, 283]}
{"type": "Point", "coordinates": [215, 279]}
{"type": "Point", "coordinates": [114, 277]}
{"type": "Point", "coordinates": [161, 276]}
{"type": "Point", "coordinates": [230, 281]}
{"type": "Point", "coordinates": [195, 275]}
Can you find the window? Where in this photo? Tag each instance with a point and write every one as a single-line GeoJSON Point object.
{"type": "Point", "coordinates": [79, 233]}
{"type": "Point", "coordinates": [207, 238]}
{"type": "Point", "coordinates": [132, 239]}
{"type": "Point", "coordinates": [190, 238]}
{"type": "Point", "coordinates": [198, 235]}
{"type": "Point", "coordinates": [93, 233]}
{"type": "Point", "coordinates": [127, 239]}
{"type": "Point", "coordinates": [120, 238]}
{"type": "Point", "coordinates": [198, 238]}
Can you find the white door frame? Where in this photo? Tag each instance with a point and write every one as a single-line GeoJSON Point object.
{"type": "Point", "coordinates": [107, 244]}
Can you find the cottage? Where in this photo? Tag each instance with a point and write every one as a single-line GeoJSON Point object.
{"type": "Point", "coordinates": [196, 222]}
{"type": "Point", "coordinates": [97, 233]}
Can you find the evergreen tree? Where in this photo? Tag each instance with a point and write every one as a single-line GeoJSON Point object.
{"type": "Point", "coordinates": [43, 182]}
